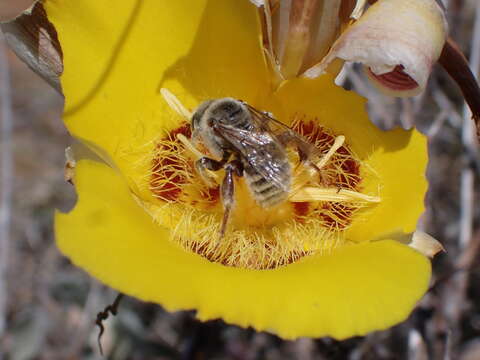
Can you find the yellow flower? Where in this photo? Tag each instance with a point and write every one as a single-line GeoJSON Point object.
{"type": "Point", "coordinates": [324, 262]}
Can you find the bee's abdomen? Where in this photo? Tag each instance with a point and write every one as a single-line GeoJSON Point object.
{"type": "Point", "coordinates": [265, 192]}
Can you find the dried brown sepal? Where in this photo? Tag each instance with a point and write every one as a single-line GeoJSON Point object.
{"type": "Point", "coordinates": [456, 65]}
{"type": "Point", "coordinates": [34, 39]}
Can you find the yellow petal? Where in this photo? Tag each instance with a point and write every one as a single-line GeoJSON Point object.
{"type": "Point", "coordinates": [351, 291]}
{"type": "Point", "coordinates": [117, 56]}
{"type": "Point", "coordinates": [398, 40]}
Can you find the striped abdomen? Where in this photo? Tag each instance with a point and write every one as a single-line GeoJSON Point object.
{"type": "Point", "coordinates": [266, 192]}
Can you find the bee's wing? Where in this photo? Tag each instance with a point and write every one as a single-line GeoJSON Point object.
{"type": "Point", "coordinates": [260, 149]}
{"type": "Point", "coordinates": [283, 133]}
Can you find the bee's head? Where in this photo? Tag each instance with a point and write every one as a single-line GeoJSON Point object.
{"type": "Point", "coordinates": [228, 111]}
{"type": "Point", "coordinates": [198, 114]}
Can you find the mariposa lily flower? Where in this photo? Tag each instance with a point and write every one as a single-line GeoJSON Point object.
{"type": "Point", "coordinates": [331, 260]}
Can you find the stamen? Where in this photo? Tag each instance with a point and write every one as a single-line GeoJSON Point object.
{"type": "Point", "coordinates": [303, 180]}
{"type": "Point", "coordinates": [175, 104]}
{"type": "Point", "coordinates": [331, 194]}
{"type": "Point", "coordinates": [189, 147]}
{"type": "Point", "coordinates": [339, 141]}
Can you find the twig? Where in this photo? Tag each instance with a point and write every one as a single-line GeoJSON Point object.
{"type": "Point", "coordinates": [6, 177]}
{"type": "Point", "coordinates": [456, 65]}
{"type": "Point", "coordinates": [103, 315]}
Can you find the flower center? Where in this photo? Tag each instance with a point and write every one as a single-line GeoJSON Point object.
{"type": "Point", "coordinates": [320, 206]}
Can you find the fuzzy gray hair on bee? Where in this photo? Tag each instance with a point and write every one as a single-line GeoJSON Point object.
{"type": "Point", "coordinates": [246, 143]}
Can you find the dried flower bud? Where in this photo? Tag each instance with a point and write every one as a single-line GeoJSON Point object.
{"type": "Point", "coordinates": [397, 40]}
{"type": "Point", "coordinates": [297, 34]}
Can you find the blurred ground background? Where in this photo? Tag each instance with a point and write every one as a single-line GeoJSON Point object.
{"type": "Point", "coordinates": [51, 305]}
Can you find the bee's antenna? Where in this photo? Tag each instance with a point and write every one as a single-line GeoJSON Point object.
{"type": "Point", "coordinates": [175, 104]}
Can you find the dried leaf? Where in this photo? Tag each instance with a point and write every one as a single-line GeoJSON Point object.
{"type": "Point", "coordinates": [34, 39]}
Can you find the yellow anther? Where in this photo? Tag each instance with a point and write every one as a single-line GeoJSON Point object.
{"type": "Point", "coordinates": [339, 140]}
{"type": "Point", "coordinates": [175, 104]}
{"type": "Point", "coordinates": [301, 181]}
{"type": "Point", "coordinates": [331, 194]}
{"type": "Point", "coordinates": [189, 147]}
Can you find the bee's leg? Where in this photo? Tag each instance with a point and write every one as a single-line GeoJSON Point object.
{"type": "Point", "coordinates": [303, 149]}
{"type": "Point", "coordinates": [228, 191]}
{"type": "Point", "coordinates": [205, 163]}
{"type": "Point", "coordinates": [238, 167]}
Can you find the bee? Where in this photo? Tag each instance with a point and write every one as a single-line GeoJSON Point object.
{"type": "Point", "coordinates": [250, 144]}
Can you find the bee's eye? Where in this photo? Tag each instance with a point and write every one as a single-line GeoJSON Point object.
{"type": "Point", "coordinates": [198, 114]}
{"type": "Point", "coordinates": [194, 121]}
